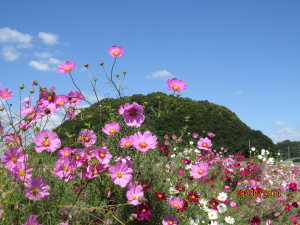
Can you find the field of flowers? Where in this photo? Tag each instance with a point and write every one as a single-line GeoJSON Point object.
{"type": "Point", "coordinates": [124, 176]}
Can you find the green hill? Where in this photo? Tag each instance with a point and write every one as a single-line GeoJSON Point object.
{"type": "Point", "coordinates": [294, 147]}
{"type": "Point", "coordinates": [231, 132]}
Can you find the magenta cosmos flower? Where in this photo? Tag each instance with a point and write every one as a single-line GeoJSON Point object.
{"type": "Point", "coordinates": [87, 138]}
{"type": "Point", "coordinates": [64, 169]}
{"type": "Point", "coordinates": [32, 220]}
{"type": "Point", "coordinates": [176, 85]}
{"type": "Point", "coordinates": [115, 51]}
{"type": "Point", "coordinates": [144, 142]}
{"type": "Point", "coordinates": [199, 170]}
{"type": "Point", "coordinates": [133, 194]}
{"type": "Point", "coordinates": [27, 100]}
{"type": "Point", "coordinates": [112, 128]}
{"type": "Point", "coordinates": [144, 211]}
{"type": "Point", "coordinates": [76, 98]}
{"type": "Point", "coordinates": [170, 220]}
{"type": "Point", "coordinates": [211, 134]}
{"type": "Point", "coordinates": [176, 203]}
{"type": "Point", "coordinates": [5, 94]}
{"type": "Point", "coordinates": [36, 189]}
{"type": "Point", "coordinates": [103, 155]}
{"type": "Point", "coordinates": [10, 158]}
{"type": "Point", "coordinates": [22, 172]}
{"type": "Point", "coordinates": [46, 140]}
{"type": "Point", "coordinates": [255, 220]}
{"type": "Point", "coordinates": [125, 142]}
{"type": "Point", "coordinates": [133, 114]}
{"type": "Point", "coordinates": [204, 143]}
{"type": "Point", "coordinates": [66, 67]}
{"type": "Point", "coordinates": [121, 174]}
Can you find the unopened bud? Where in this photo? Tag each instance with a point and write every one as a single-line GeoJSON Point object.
{"type": "Point", "coordinates": [35, 83]}
{"type": "Point", "coordinates": [95, 79]}
{"type": "Point", "coordinates": [10, 123]}
{"type": "Point", "coordinates": [1, 109]}
{"type": "Point", "coordinates": [178, 95]}
{"type": "Point", "coordinates": [101, 64]}
{"type": "Point", "coordinates": [37, 129]}
{"type": "Point", "coordinates": [124, 72]}
{"type": "Point", "coordinates": [117, 75]}
{"type": "Point", "coordinates": [31, 90]}
{"type": "Point", "coordinates": [86, 65]}
{"type": "Point", "coordinates": [107, 189]}
{"type": "Point", "coordinates": [22, 86]}
{"type": "Point", "coordinates": [145, 103]}
{"type": "Point", "coordinates": [110, 212]}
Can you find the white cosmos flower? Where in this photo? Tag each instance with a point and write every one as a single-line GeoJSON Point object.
{"type": "Point", "coordinates": [168, 166]}
{"type": "Point", "coordinates": [215, 223]}
{"type": "Point", "coordinates": [278, 153]}
{"type": "Point", "coordinates": [270, 161]}
{"type": "Point", "coordinates": [213, 215]}
{"type": "Point", "coordinates": [229, 219]}
{"type": "Point", "coordinates": [267, 152]}
{"type": "Point", "coordinates": [222, 196]}
{"type": "Point", "coordinates": [187, 167]}
{"type": "Point", "coordinates": [264, 158]}
{"type": "Point", "coordinates": [197, 151]}
{"type": "Point", "coordinates": [191, 142]}
{"type": "Point", "coordinates": [173, 191]}
{"type": "Point", "coordinates": [222, 208]}
{"type": "Point", "coordinates": [174, 149]}
{"type": "Point", "coordinates": [206, 209]}
{"type": "Point", "coordinates": [263, 152]}
{"type": "Point", "coordinates": [259, 156]}
{"type": "Point", "coordinates": [253, 149]}
{"type": "Point", "coordinates": [172, 156]}
{"type": "Point", "coordinates": [196, 220]}
{"type": "Point", "coordinates": [203, 202]}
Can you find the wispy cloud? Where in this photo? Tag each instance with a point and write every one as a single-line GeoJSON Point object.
{"type": "Point", "coordinates": [160, 74]}
{"type": "Point", "coordinates": [44, 65]}
{"type": "Point", "coordinates": [292, 134]}
{"type": "Point", "coordinates": [10, 36]}
{"type": "Point", "coordinates": [43, 54]}
{"type": "Point", "coordinates": [92, 97]}
{"type": "Point", "coordinates": [238, 93]}
{"type": "Point", "coordinates": [279, 123]}
{"type": "Point", "coordinates": [48, 38]}
{"type": "Point", "coordinates": [10, 53]}
{"type": "Point", "coordinates": [83, 69]}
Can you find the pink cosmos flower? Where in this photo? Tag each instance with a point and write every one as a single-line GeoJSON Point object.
{"type": "Point", "coordinates": [115, 51]}
{"type": "Point", "coordinates": [166, 136]}
{"type": "Point", "coordinates": [173, 136]}
{"type": "Point", "coordinates": [112, 128]}
{"type": "Point", "coordinates": [125, 142]}
{"type": "Point", "coordinates": [144, 210]}
{"type": "Point", "coordinates": [24, 126]}
{"type": "Point", "coordinates": [1, 129]}
{"type": "Point", "coordinates": [66, 67]}
{"type": "Point", "coordinates": [71, 113]}
{"type": "Point", "coordinates": [36, 189]}
{"type": "Point", "coordinates": [27, 100]}
{"type": "Point", "coordinates": [144, 142]}
{"type": "Point", "coordinates": [27, 110]}
{"type": "Point", "coordinates": [133, 194]}
{"type": "Point", "coordinates": [76, 98]}
{"type": "Point", "coordinates": [199, 170]}
{"type": "Point", "coordinates": [61, 100]}
{"type": "Point", "coordinates": [10, 158]}
{"type": "Point", "coordinates": [211, 134]}
{"type": "Point", "coordinates": [195, 135]}
{"type": "Point", "coordinates": [32, 220]}
{"type": "Point", "coordinates": [22, 172]}
{"type": "Point", "coordinates": [64, 169]}
{"type": "Point", "coordinates": [103, 155]}
{"type": "Point", "coordinates": [46, 140]}
{"type": "Point", "coordinates": [232, 204]}
{"type": "Point", "coordinates": [87, 138]}
{"type": "Point", "coordinates": [64, 153]}
{"type": "Point", "coordinates": [203, 143]}
{"type": "Point", "coordinates": [93, 171]}
{"type": "Point", "coordinates": [121, 174]}
{"type": "Point", "coordinates": [125, 160]}
{"type": "Point", "coordinates": [1, 210]}
{"type": "Point", "coordinates": [6, 94]}
{"type": "Point", "coordinates": [176, 85]}
{"type": "Point", "coordinates": [133, 114]}
{"type": "Point", "coordinates": [170, 220]}
{"type": "Point", "coordinates": [176, 203]}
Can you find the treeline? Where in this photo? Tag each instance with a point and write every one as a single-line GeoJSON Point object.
{"type": "Point", "coordinates": [231, 132]}
{"type": "Point", "coordinates": [294, 147]}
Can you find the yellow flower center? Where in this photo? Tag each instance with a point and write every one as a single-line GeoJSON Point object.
{"type": "Point", "coordinates": [175, 204]}
{"type": "Point", "coordinates": [80, 139]}
{"type": "Point", "coordinates": [67, 168]}
{"type": "Point", "coordinates": [68, 69]}
{"type": "Point", "coordinates": [74, 100]}
{"type": "Point", "coordinates": [78, 157]}
{"type": "Point", "coordinates": [46, 143]}
{"type": "Point", "coordinates": [21, 173]}
{"type": "Point", "coordinates": [222, 197]}
{"type": "Point", "coordinates": [204, 145]}
{"type": "Point", "coordinates": [211, 215]}
{"type": "Point", "coordinates": [160, 196]}
{"type": "Point", "coordinates": [133, 197]}
{"type": "Point", "coordinates": [101, 155]}
{"type": "Point", "coordinates": [143, 144]}
{"type": "Point", "coordinates": [116, 53]}
{"type": "Point", "coordinates": [119, 175]}
{"type": "Point", "coordinates": [86, 138]}
{"type": "Point", "coordinates": [66, 154]}
{"type": "Point", "coordinates": [0, 131]}
{"type": "Point", "coordinates": [175, 87]}
{"type": "Point", "coordinates": [132, 112]}
{"type": "Point", "coordinates": [193, 196]}
{"type": "Point", "coordinates": [28, 112]}
{"type": "Point", "coordinates": [35, 114]}
{"type": "Point", "coordinates": [179, 189]}
{"type": "Point", "coordinates": [144, 210]}
{"type": "Point", "coordinates": [170, 222]}
{"type": "Point", "coordinates": [50, 98]}
{"type": "Point", "coordinates": [35, 191]}
{"type": "Point", "coordinates": [61, 103]}
{"type": "Point", "coordinates": [112, 131]}
{"type": "Point", "coordinates": [91, 154]}
{"type": "Point", "coordinates": [4, 95]}
{"type": "Point", "coordinates": [95, 172]}
{"type": "Point", "coordinates": [14, 159]}
{"type": "Point", "coordinates": [201, 171]}
{"type": "Point", "coordinates": [127, 143]}
{"type": "Point", "coordinates": [202, 204]}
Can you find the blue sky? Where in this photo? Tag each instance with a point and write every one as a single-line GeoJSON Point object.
{"type": "Point", "coordinates": [243, 55]}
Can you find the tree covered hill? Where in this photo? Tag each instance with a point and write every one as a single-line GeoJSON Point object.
{"type": "Point", "coordinates": [294, 147]}
{"type": "Point", "coordinates": [231, 132]}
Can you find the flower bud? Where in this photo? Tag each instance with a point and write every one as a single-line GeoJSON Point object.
{"type": "Point", "coordinates": [178, 95]}
{"type": "Point", "coordinates": [95, 79]}
{"type": "Point", "coordinates": [1, 109]}
{"type": "Point", "coordinates": [101, 64]}
{"type": "Point", "coordinates": [86, 65]}
{"type": "Point", "coordinates": [124, 72]}
{"type": "Point", "coordinates": [10, 123]}
{"type": "Point", "coordinates": [117, 75]}
{"type": "Point", "coordinates": [22, 86]}
{"type": "Point", "coordinates": [37, 129]}
{"type": "Point", "coordinates": [31, 90]}
{"type": "Point", "coordinates": [145, 103]}
{"type": "Point", "coordinates": [35, 83]}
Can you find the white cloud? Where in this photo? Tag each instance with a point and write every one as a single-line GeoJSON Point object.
{"type": "Point", "coordinates": [91, 97]}
{"type": "Point", "coordinates": [10, 53]}
{"type": "Point", "coordinates": [239, 92]}
{"type": "Point", "coordinates": [48, 38]}
{"type": "Point", "coordinates": [279, 123]}
{"type": "Point", "coordinates": [286, 134]}
{"type": "Point", "coordinates": [43, 54]}
{"type": "Point", "coordinates": [39, 65]}
{"type": "Point", "coordinates": [54, 61]}
{"type": "Point", "coordinates": [160, 74]}
{"type": "Point", "coordinates": [13, 36]}
{"type": "Point", "coordinates": [83, 69]}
